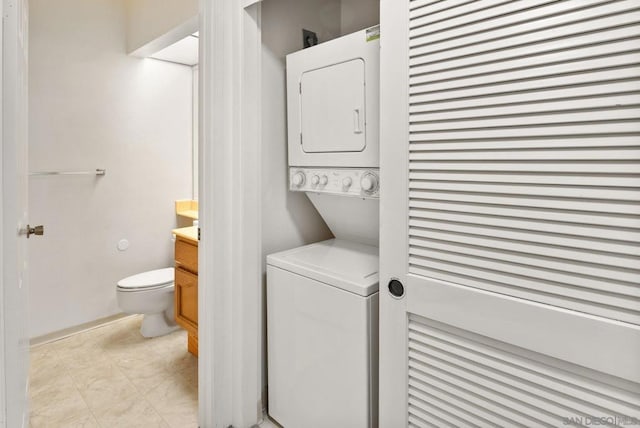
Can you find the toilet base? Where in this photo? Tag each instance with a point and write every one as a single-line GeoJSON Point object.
{"type": "Point", "coordinates": [154, 325]}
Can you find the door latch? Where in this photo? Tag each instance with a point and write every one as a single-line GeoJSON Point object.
{"type": "Point", "coordinates": [36, 230]}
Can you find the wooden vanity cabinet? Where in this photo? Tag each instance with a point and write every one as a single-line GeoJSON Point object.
{"type": "Point", "coordinates": [186, 289]}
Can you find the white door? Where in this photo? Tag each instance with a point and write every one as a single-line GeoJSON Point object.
{"type": "Point", "coordinates": [332, 108]}
{"type": "Point", "coordinates": [510, 213]}
{"type": "Point", "coordinates": [14, 340]}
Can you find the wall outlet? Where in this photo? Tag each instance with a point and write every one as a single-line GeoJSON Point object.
{"type": "Point", "coordinates": [309, 38]}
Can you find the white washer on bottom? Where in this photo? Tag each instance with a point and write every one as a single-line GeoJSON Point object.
{"type": "Point", "coordinates": [322, 335]}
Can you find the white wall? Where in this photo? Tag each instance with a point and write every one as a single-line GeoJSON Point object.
{"type": "Point", "coordinates": [195, 126]}
{"type": "Point", "coordinates": [150, 19]}
{"type": "Point", "coordinates": [359, 14]}
{"type": "Point", "coordinates": [92, 106]}
{"type": "Point", "coordinates": [289, 218]}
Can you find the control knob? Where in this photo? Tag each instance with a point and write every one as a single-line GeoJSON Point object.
{"type": "Point", "coordinates": [369, 183]}
{"type": "Point", "coordinates": [298, 179]}
{"type": "Point", "coordinates": [315, 180]}
{"type": "Point", "coordinates": [324, 180]}
{"type": "Point", "coordinates": [346, 183]}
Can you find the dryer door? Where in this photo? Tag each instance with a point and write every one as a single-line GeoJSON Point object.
{"type": "Point", "coordinates": [332, 107]}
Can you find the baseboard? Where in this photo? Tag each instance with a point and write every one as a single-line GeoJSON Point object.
{"type": "Point", "coordinates": [61, 334]}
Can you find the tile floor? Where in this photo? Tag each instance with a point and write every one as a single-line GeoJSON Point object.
{"type": "Point", "coordinates": [113, 377]}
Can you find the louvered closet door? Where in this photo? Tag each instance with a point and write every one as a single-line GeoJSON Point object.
{"type": "Point", "coordinates": [510, 213]}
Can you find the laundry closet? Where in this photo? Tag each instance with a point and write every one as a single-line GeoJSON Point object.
{"type": "Point", "coordinates": [321, 210]}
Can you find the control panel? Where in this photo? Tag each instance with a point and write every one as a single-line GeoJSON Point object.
{"type": "Point", "coordinates": [363, 183]}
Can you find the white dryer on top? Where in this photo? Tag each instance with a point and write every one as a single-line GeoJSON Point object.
{"type": "Point", "coordinates": [333, 103]}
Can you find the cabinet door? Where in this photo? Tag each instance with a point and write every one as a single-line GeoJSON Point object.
{"type": "Point", "coordinates": [332, 104]}
{"type": "Point", "coordinates": [187, 255]}
{"type": "Point", "coordinates": [186, 300]}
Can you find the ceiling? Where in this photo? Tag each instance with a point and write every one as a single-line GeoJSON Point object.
{"type": "Point", "coordinates": [183, 51]}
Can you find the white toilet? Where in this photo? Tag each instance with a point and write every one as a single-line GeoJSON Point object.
{"type": "Point", "coordinates": [149, 293]}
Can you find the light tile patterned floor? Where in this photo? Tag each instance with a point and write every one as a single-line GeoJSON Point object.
{"type": "Point", "coordinates": [113, 377]}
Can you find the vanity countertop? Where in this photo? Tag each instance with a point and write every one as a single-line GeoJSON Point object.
{"type": "Point", "coordinates": [190, 233]}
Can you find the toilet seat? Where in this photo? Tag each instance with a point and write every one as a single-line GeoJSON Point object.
{"type": "Point", "coordinates": [151, 280]}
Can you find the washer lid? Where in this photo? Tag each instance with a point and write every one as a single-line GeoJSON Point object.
{"type": "Point", "coordinates": [153, 278]}
{"type": "Point", "coordinates": [347, 265]}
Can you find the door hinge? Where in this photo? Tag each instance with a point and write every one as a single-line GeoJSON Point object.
{"type": "Point", "coordinates": [300, 87]}
{"type": "Point", "coordinates": [300, 139]}
{"type": "Point", "coordinates": [198, 233]}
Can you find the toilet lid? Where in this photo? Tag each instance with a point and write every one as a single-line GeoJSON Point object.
{"type": "Point", "coordinates": [153, 278]}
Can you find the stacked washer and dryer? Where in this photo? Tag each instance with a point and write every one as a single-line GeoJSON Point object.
{"type": "Point", "coordinates": [322, 299]}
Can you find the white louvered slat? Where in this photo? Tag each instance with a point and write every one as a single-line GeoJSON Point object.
{"type": "Point", "coordinates": [537, 373]}
{"type": "Point", "coordinates": [514, 409]}
{"type": "Point", "coordinates": [524, 153]}
{"type": "Point", "coordinates": [432, 16]}
{"type": "Point", "coordinates": [536, 154]}
{"type": "Point", "coordinates": [521, 17]}
{"type": "Point", "coordinates": [422, 8]}
{"type": "Point", "coordinates": [572, 92]}
{"type": "Point", "coordinates": [478, 144]}
{"type": "Point", "coordinates": [415, 421]}
{"type": "Point", "coordinates": [557, 62]}
{"type": "Point", "coordinates": [559, 228]}
{"type": "Point", "coordinates": [518, 61]}
{"type": "Point", "coordinates": [570, 254]}
{"type": "Point", "coordinates": [520, 234]}
{"type": "Point", "coordinates": [475, 381]}
{"type": "Point", "coordinates": [517, 418]}
{"type": "Point", "coordinates": [532, 202]}
{"type": "Point", "coordinates": [492, 88]}
{"type": "Point", "coordinates": [587, 192]}
{"type": "Point", "coordinates": [586, 116]}
{"type": "Point", "coordinates": [552, 226]}
{"type": "Point", "coordinates": [510, 110]}
{"type": "Point", "coordinates": [621, 13]}
{"type": "Point", "coordinates": [545, 43]}
{"type": "Point", "coordinates": [585, 274]}
{"type": "Point", "coordinates": [618, 182]}
{"type": "Point", "coordinates": [424, 4]}
{"type": "Point", "coordinates": [569, 216]}
{"type": "Point", "coordinates": [495, 384]}
{"type": "Point", "coordinates": [479, 16]}
{"type": "Point", "coordinates": [451, 418]}
{"type": "Point", "coordinates": [426, 394]}
{"type": "Point", "coordinates": [485, 417]}
{"type": "Point", "coordinates": [529, 225]}
{"type": "Point", "coordinates": [518, 165]}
